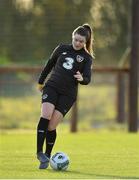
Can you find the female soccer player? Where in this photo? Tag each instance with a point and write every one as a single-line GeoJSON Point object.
{"type": "Point", "coordinates": [69, 65]}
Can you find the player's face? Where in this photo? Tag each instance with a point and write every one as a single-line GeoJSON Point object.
{"type": "Point", "coordinates": [78, 41]}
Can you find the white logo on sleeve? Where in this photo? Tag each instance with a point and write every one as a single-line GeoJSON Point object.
{"type": "Point", "coordinates": [69, 63]}
{"type": "Point", "coordinates": [64, 53]}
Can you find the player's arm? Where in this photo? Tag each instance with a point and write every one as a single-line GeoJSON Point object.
{"type": "Point", "coordinates": [48, 67]}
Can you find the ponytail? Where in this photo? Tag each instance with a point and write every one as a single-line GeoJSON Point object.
{"type": "Point", "coordinates": [89, 42]}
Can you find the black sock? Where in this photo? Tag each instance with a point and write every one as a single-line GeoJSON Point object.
{"type": "Point", "coordinates": [50, 141]}
{"type": "Point", "coordinates": [41, 133]}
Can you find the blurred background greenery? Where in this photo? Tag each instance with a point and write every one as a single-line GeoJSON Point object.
{"type": "Point", "coordinates": [31, 29]}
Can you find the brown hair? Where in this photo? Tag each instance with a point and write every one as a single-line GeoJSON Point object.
{"type": "Point", "coordinates": [85, 30]}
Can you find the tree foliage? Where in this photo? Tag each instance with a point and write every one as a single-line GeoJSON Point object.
{"type": "Point", "coordinates": [111, 21]}
{"type": "Point", "coordinates": [32, 32]}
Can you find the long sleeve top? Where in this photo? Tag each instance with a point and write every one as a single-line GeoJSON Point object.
{"type": "Point", "coordinates": [63, 64]}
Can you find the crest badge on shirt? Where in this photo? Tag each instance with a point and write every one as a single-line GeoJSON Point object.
{"type": "Point", "coordinates": [79, 58]}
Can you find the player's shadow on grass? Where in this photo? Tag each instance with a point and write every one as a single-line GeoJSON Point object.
{"type": "Point", "coordinates": [94, 175]}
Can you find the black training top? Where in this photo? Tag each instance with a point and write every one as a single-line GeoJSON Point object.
{"type": "Point", "coordinates": [64, 62]}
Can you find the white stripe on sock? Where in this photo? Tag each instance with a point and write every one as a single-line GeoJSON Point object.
{"type": "Point", "coordinates": [42, 131]}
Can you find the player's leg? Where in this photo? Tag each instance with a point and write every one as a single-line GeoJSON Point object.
{"type": "Point", "coordinates": [46, 113]}
{"type": "Point", "coordinates": [51, 132]}
{"type": "Point", "coordinates": [49, 97]}
{"type": "Point", "coordinates": [64, 103]}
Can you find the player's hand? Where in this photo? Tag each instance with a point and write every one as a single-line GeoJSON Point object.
{"type": "Point", "coordinates": [40, 87]}
{"type": "Point", "coordinates": [78, 76]}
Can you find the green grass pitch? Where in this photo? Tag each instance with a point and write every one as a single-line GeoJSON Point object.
{"type": "Point", "coordinates": [93, 154]}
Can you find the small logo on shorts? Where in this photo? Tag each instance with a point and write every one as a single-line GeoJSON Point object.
{"type": "Point", "coordinates": [65, 110]}
{"type": "Point", "coordinates": [44, 96]}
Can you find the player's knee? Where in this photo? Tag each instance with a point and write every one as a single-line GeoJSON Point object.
{"type": "Point", "coordinates": [51, 127]}
{"type": "Point", "coordinates": [46, 115]}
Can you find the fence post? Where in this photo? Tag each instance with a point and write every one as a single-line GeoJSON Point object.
{"type": "Point", "coordinates": [120, 98]}
{"type": "Point", "coordinates": [133, 74]}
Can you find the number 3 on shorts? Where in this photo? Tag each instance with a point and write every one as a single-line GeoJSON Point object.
{"type": "Point", "coordinates": [69, 63]}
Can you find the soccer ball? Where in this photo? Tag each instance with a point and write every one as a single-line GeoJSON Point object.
{"type": "Point", "coordinates": [59, 161]}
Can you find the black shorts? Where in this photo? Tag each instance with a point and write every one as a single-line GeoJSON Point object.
{"type": "Point", "coordinates": [62, 102]}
